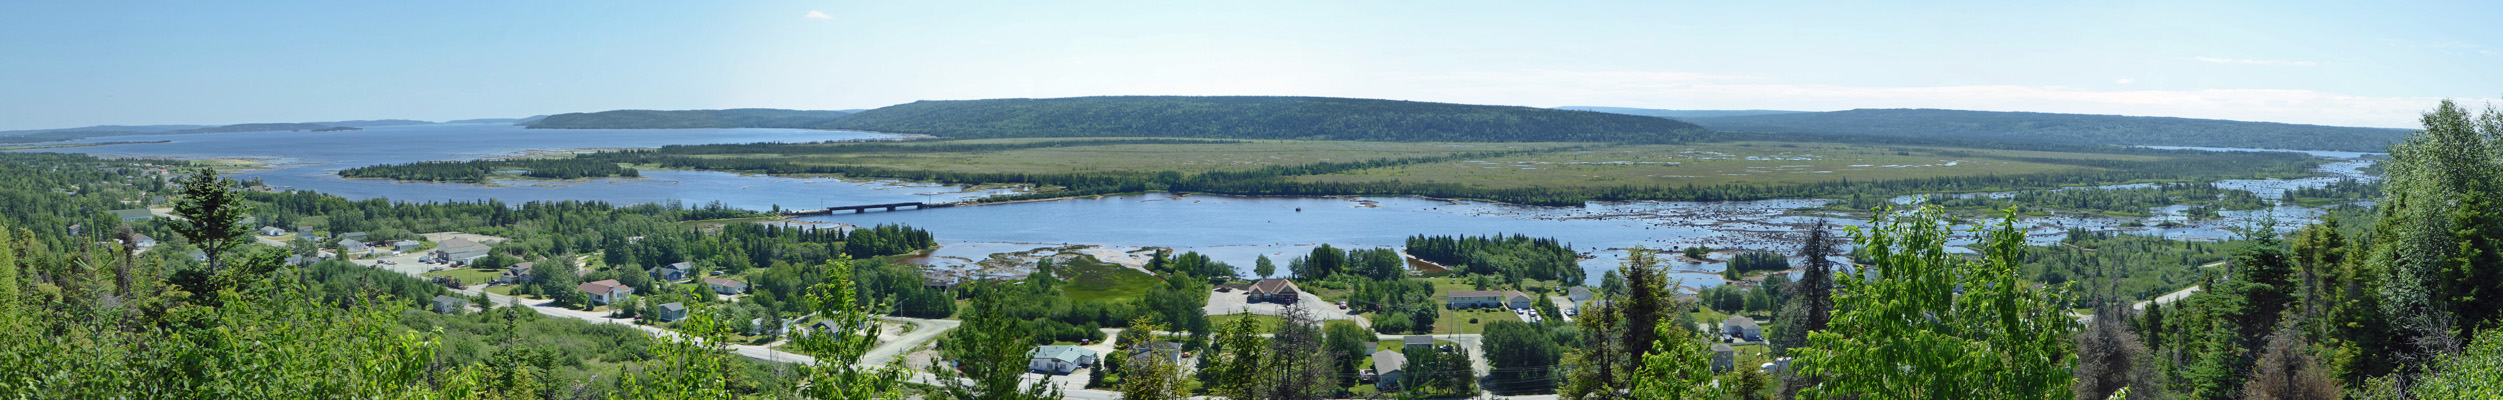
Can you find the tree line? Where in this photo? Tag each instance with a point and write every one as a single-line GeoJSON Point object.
{"type": "Point", "coordinates": [480, 171]}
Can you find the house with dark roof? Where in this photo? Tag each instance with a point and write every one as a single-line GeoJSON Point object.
{"type": "Point", "coordinates": [1723, 357]}
{"type": "Point", "coordinates": [1275, 291]}
{"type": "Point", "coordinates": [1170, 352]}
{"type": "Point", "coordinates": [1388, 368]}
{"type": "Point", "coordinates": [518, 273]}
{"type": "Point", "coordinates": [1416, 341]}
{"type": "Point", "coordinates": [606, 292]}
{"type": "Point", "coordinates": [1739, 326]}
{"type": "Point", "coordinates": [674, 272]}
{"type": "Point", "coordinates": [725, 286]}
{"type": "Point", "coordinates": [1579, 294]}
{"type": "Point", "coordinates": [669, 312]}
{"type": "Point", "coordinates": [450, 305]}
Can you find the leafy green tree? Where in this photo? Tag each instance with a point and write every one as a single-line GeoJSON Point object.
{"type": "Point", "coordinates": [1599, 368]}
{"type": "Point", "coordinates": [1346, 342]}
{"type": "Point", "coordinates": [1234, 364]}
{"type": "Point", "coordinates": [1264, 267]}
{"type": "Point", "coordinates": [2440, 234]}
{"type": "Point", "coordinates": [1612, 283]}
{"type": "Point", "coordinates": [1151, 376]}
{"type": "Point", "coordinates": [694, 364]}
{"type": "Point", "coordinates": [2470, 374]}
{"type": "Point", "coordinates": [1935, 325]}
{"type": "Point", "coordinates": [990, 352]}
{"type": "Point", "coordinates": [1521, 354]}
{"type": "Point", "coordinates": [839, 373]}
{"type": "Point", "coordinates": [1679, 367]}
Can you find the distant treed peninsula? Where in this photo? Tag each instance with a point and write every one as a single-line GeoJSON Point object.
{"type": "Point", "coordinates": [1260, 117]}
{"type": "Point", "coordinates": [2036, 127]}
{"type": "Point", "coordinates": [687, 119]}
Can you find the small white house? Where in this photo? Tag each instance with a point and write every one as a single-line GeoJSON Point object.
{"type": "Point", "coordinates": [1060, 360]}
{"type": "Point", "coordinates": [273, 231]}
{"type": "Point", "coordinates": [1388, 368]}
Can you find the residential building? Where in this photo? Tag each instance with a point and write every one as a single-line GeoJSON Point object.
{"type": "Point", "coordinates": [1474, 299]}
{"type": "Point", "coordinates": [450, 305]}
{"type": "Point", "coordinates": [1723, 357]}
{"type": "Point", "coordinates": [142, 241]}
{"type": "Point", "coordinates": [1516, 299]}
{"type": "Point", "coordinates": [1169, 351]}
{"type": "Point", "coordinates": [1388, 368]}
{"type": "Point", "coordinates": [1579, 294]}
{"type": "Point", "coordinates": [406, 245]}
{"type": "Point", "coordinates": [606, 292]}
{"type": "Point", "coordinates": [1060, 360]}
{"type": "Point", "coordinates": [1739, 326]}
{"type": "Point", "coordinates": [352, 246]}
{"type": "Point", "coordinates": [725, 286]}
{"type": "Point", "coordinates": [273, 231]}
{"type": "Point", "coordinates": [1276, 290]}
{"type": "Point", "coordinates": [518, 273]}
{"type": "Point", "coordinates": [674, 272]}
{"type": "Point", "coordinates": [1416, 341]}
{"type": "Point", "coordinates": [669, 312]}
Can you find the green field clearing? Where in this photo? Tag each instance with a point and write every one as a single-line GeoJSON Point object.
{"type": "Point", "coordinates": [1186, 158]}
{"type": "Point", "coordinates": [1719, 163]}
{"type": "Point", "coordinates": [1266, 323]}
{"type": "Point", "coordinates": [1090, 280]}
{"type": "Point", "coordinates": [468, 276]}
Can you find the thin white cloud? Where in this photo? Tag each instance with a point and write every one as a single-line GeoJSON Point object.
{"type": "Point", "coordinates": [1699, 91]}
{"type": "Point", "coordinates": [814, 14]}
{"type": "Point", "coordinates": [2282, 63]}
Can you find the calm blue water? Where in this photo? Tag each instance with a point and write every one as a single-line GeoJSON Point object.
{"type": "Point", "coordinates": [1234, 230]}
{"type": "Point", "coordinates": [309, 160]}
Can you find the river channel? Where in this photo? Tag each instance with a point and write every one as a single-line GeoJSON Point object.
{"type": "Point", "coordinates": [1230, 229]}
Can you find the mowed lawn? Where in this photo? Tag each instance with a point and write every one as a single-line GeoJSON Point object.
{"type": "Point", "coordinates": [1720, 163]}
{"type": "Point", "coordinates": [1186, 158]}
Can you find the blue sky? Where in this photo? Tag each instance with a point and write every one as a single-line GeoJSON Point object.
{"type": "Point", "coordinates": [2336, 63]}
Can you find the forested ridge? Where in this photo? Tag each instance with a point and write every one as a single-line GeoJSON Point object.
{"type": "Point", "coordinates": [2062, 128]}
{"type": "Point", "coordinates": [1259, 117]}
{"type": "Point", "coordinates": [687, 119]}
{"type": "Point", "coordinates": [479, 171]}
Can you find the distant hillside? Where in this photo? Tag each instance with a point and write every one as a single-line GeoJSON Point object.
{"type": "Point", "coordinates": [1254, 117]}
{"type": "Point", "coordinates": [287, 126]}
{"type": "Point", "coordinates": [2063, 129]}
{"type": "Point", "coordinates": [485, 121]}
{"type": "Point", "coordinates": [1679, 114]}
{"type": "Point", "coordinates": [689, 119]}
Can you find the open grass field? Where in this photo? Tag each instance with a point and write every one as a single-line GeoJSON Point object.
{"type": "Point", "coordinates": [1267, 323]}
{"type": "Point", "coordinates": [468, 276]}
{"type": "Point", "coordinates": [1720, 163]}
{"type": "Point", "coordinates": [1185, 158]}
{"type": "Point", "coordinates": [1091, 280]}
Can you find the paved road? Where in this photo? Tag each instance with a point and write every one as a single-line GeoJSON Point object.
{"type": "Point", "coordinates": [923, 331]}
{"type": "Point", "coordinates": [1238, 302]}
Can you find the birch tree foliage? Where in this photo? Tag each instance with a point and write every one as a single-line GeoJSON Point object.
{"type": "Point", "coordinates": [1933, 324]}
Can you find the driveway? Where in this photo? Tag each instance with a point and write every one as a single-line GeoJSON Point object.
{"type": "Point", "coordinates": [1237, 302]}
